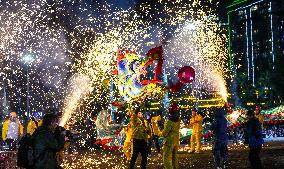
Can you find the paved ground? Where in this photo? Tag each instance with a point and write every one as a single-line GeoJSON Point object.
{"type": "Point", "coordinates": [272, 157]}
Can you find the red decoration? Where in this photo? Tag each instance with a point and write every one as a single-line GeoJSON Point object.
{"type": "Point", "coordinates": [145, 82]}
{"type": "Point", "coordinates": [186, 74]}
{"type": "Point", "coordinates": [176, 87]}
{"type": "Point", "coordinates": [118, 131]}
{"type": "Point", "coordinates": [114, 72]}
{"type": "Point", "coordinates": [173, 107]}
{"type": "Point", "coordinates": [3, 158]}
{"type": "Point", "coordinates": [117, 104]}
{"type": "Point", "coordinates": [156, 54]}
{"type": "Point", "coordinates": [120, 55]}
{"type": "Point", "coordinates": [112, 148]}
{"type": "Point", "coordinates": [103, 142]}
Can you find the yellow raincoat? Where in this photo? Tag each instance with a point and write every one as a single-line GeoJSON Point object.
{"type": "Point", "coordinates": [196, 125]}
{"type": "Point", "coordinates": [154, 123]}
{"type": "Point", "coordinates": [32, 126]}
{"type": "Point", "coordinates": [171, 143]}
{"type": "Point", "coordinates": [127, 146]}
{"type": "Point", "coordinates": [141, 129]}
{"type": "Point", "coordinates": [6, 126]}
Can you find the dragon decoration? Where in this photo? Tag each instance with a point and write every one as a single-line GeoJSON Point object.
{"type": "Point", "coordinates": [131, 69]}
{"type": "Point", "coordinates": [137, 78]}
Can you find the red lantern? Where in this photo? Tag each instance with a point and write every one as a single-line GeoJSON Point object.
{"type": "Point", "coordinates": [186, 74]}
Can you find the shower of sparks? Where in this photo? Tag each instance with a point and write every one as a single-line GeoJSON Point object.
{"type": "Point", "coordinates": [79, 88]}
{"type": "Point", "coordinates": [197, 43]}
{"type": "Point", "coordinates": [27, 29]}
{"type": "Point", "coordinates": [105, 160]}
{"type": "Point", "coordinates": [196, 40]}
{"type": "Point", "coordinates": [74, 43]}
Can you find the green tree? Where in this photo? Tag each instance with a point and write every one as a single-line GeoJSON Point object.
{"type": "Point", "coordinates": [277, 79]}
{"type": "Point", "coordinates": [245, 90]}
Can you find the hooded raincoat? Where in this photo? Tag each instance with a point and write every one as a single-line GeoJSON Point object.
{"type": "Point", "coordinates": [6, 127]}
{"type": "Point", "coordinates": [32, 126]}
{"type": "Point", "coordinates": [196, 125]}
{"type": "Point", "coordinates": [171, 141]}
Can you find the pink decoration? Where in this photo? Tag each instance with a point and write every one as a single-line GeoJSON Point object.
{"type": "Point", "coordinates": [186, 74]}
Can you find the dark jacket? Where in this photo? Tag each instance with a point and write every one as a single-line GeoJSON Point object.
{"type": "Point", "coordinates": [254, 133]}
{"type": "Point", "coordinates": [219, 125]}
{"type": "Point", "coordinates": [46, 144]}
{"type": "Point", "coordinates": [174, 116]}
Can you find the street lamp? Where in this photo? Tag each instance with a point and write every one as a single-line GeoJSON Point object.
{"type": "Point", "coordinates": [190, 27]}
{"type": "Point", "coordinates": [27, 60]}
{"type": "Point", "coordinates": [5, 102]}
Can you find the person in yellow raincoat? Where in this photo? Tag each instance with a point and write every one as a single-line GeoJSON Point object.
{"type": "Point", "coordinates": [196, 125]}
{"type": "Point", "coordinates": [171, 138]}
{"type": "Point", "coordinates": [34, 123]}
{"type": "Point", "coordinates": [155, 136]}
{"type": "Point", "coordinates": [12, 130]}
{"type": "Point", "coordinates": [141, 132]}
{"type": "Point", "coordinates": [127, 146]}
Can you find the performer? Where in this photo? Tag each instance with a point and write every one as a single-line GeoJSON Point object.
{"type": "Point", "coordinates": [127, 146]}
{"type": "Point", "coordinates": [34, 123]}
{"type": "Point", "coordinates": [155, 136]}
{"type": "Point", "coordinates": [196, 125]}
{"type": "Point", "coordinates": [254, 140]}
{"type": "Point", "coordinates": [171, 138]}
{"type": "Point", "coordinates": [141, 132]}
{"type": "Point", "coordinates": [220, 140]}
{"type": "Point", "coordinates": [12, 130]}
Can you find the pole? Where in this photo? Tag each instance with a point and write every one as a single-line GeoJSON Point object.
{"type": "Point", "coordinates": [28, 92]}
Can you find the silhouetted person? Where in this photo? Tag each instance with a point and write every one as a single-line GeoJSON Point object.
{"type": "Point", "coordinates": [220, 146]}
{"type": "Point", "coordinates": [254, 139]}
{"type": "Point", "coordinates": [46, 144]}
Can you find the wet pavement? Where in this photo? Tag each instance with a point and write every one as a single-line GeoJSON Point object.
{"type": "Point", "coordinates": [272, 156]}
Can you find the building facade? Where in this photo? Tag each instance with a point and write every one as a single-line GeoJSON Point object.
{"type": "Point", "coordinates": [256, 45]}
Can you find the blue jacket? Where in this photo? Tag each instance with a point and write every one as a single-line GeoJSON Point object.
{"type": "Point", "coordinates": [254, 133]}
{"type": "Point", "coordinates": [219, 125]}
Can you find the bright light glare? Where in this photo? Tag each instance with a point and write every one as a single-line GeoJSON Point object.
{"type": "Point", "coordinates": [190, 27]}
{"type": "Point", "coordinates": [28, 59]}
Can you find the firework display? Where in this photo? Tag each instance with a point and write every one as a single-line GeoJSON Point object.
{"type": "Point", "coordinates": [86, 59]}
{"type": "Point", "coordinates": [66, 50]}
